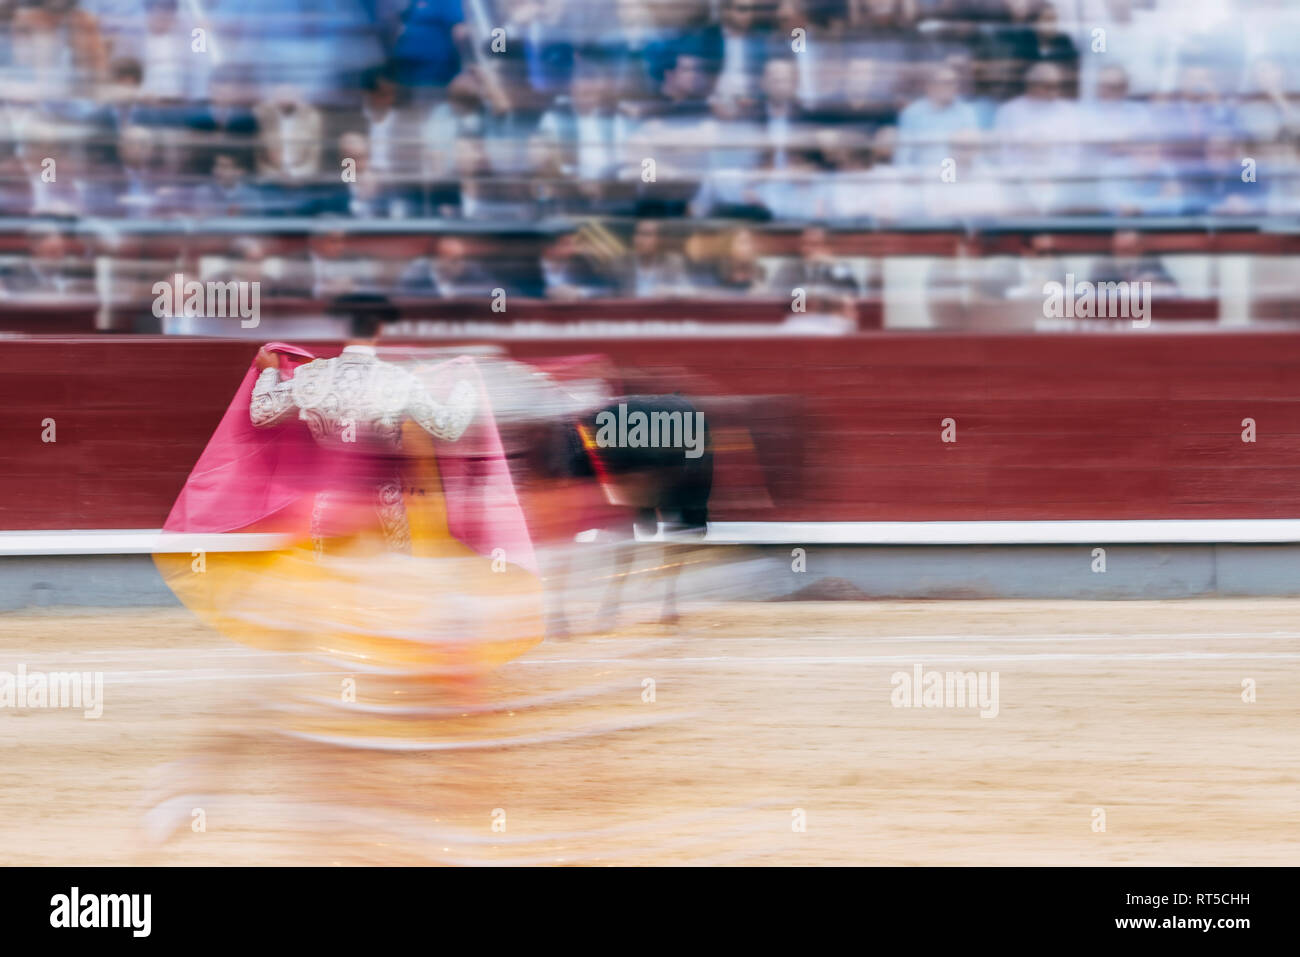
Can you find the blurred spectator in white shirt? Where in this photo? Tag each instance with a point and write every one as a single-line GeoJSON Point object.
{"type": "Point", "coordinates": [926, 125]}
{"type": "Point", "coordinates": [653, 271]}
{"type": "Point", "coordinates": [588, 133]}
{"type": "Point", "coordinates": [976, 191]}
{"type": "Point", "coordinates": [1110, 120]}
{"type": "Point", "coordinates": [172, 69]}
{"type": "Point", "coordinates": [290, 137]}
{"type": "Point", "coordinates": [1038, 129]}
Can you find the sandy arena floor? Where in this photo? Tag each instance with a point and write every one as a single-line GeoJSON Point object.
{"type": "Point", "coordinates": [763, 714]}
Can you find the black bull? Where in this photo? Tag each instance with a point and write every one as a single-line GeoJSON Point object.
{"type": "Point", "coordinates": [651, 484]}
{"type": "Point", "coordinates": [659, 483]}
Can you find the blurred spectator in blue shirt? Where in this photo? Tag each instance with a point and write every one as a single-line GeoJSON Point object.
{"type": "Point", "coordinates": [426, 52]}
{"type": "Point", "coordinates": [1219, 186]}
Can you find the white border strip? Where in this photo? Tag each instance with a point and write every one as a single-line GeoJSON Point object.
{"type": "Point", "coordinates": [1140, 531]}
{"type": "Point", "coordinates": [134, 541]}
{"type": "Point", "coordinates": [146, 541]}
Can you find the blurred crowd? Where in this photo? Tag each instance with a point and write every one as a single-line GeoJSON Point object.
{"type": "Point", "coordinates": [660, 117]}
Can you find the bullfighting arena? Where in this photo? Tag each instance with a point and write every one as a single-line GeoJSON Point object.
{"type": "Point", "coordinates": [749, 733]}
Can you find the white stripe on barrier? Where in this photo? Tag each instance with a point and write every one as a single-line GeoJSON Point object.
{"type": "Point", "coordinates": [1118, 532]}
{"type": "Point", "coordinates": [144, 541]}
{"type": "Point", "coordinates": [133, 541]}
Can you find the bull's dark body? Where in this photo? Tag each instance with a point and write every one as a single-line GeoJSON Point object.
{"type": "Point", "coordinates": [657, 485]}
{"type": "Point", "coordinates": [671, 487]}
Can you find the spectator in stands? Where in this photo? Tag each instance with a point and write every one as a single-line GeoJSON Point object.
{"type": "Point", "coordinates": [391, 129]}
{"type": "Point", "coordinates": [571, 270]}
{"type": "Point", "coordinates": [68, 192]}
{"type": "Point", "coordinates": [652, 271]}
{"type": "Point", "coordinates": [228, 192]}
{"type": "Point", "coordinates": [791, 193]}
{"type": "Point", "coordinates": [735, 141]}
{"type": "Point", "coordinates": [740, 48]}
{"type": "Point", "coordinates": [365, 192]}
{"type": "Point", "coordinates": [172, 70]}
{"type": "Point", "coordinates": [1138, 41]}
{"type": "Point", "coordinates": [977, 192]}
{"type": "Point", "coordinates": [1198, 111]}
{"type": "Point", "coordinates": [1018, 40]}
{"type": "Point", "coordinates": [970, 90]}
{"type": "Point", "coordinates": [859, 180]}
{"type": "Point", "coordinates": [543, 30]}
{"type": "Point", "coordinates": [891, 188]}
{"type": "Point", "coordinates": [50, 268]}
{"type": "Point", "coordinates": [335, 269]}
{"type": "Point", "coordinates": [1218, 187]}
{"type": "Point", "coordinates": [1129, 262]}
{"type": "Point", "coordinates": [842, 188]}
{"type": "Point", "coordinates": [120, 22]}
{"type": "Point", "coordinates": [319, 48]}
{"type": "Point", "coordinates": [588, 134]}
{"type": "Point", "coordinates": [926, 126]}
{"type": "Point", "coordinates": [227, 122]}
{"type": "Point", "coordinates": [477, 195]}
{"type": "Point", "coordinates": [686, 87]}
{"type": "Point", "coordinates": [735, 270]}
{"type": "Point", "coordinates": [1039, 133]}
{"type": "Point", "coordinates": [125, 101]}
{"type": "Point", "coordinates": [1051, 45]}
{"type": "Point", "coordinates": [244, 264]}
{"type": "Point", "coordinates": [784, 130]}
{"type": "Point", "coordinates": [426, 52]}
{"type": "Point", "coordinates": [882, 17]}
{"type": "Point", "coordinates": [452, 274]}
{"type": "Point", "coordinates": [816, 71]}
{"type": "Point", "coordinates": [1040, 126]}
{"type": "Point", "coordinates": [15, 187]}
{"type": "Point", "coordinates": [1209, 43]}
{"type": "Point", "coordinates": [688, 148]}
{"type": "Point", "coordinates": [729, 193]}
{"type": "Point", "coordinates": [290, 137]}
{"type": "Point", "coordinates": [882, 33]}
{"type": "Point", "coordinates": [861, 90]}
{"type": "Point", "coordinates": [463, 113]}
{"type": "Point", "coordinates": [141, 189]}
{"type": "Point", "coordinates": [1110, 120]}
{"type": "Point", "coordinates": [1141, 182]}
{"type": "Point", "coordinates": [120, 102]}
{"type": "Point", "coordinates": [58, 52]}
{"type": "Point", "coordinates": [549, 190]}
{"type": "Point", "coordinates": [757, 165]}
{"type": "Point", "coordinates": [818, 271]}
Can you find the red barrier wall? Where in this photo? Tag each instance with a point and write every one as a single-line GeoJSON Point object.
{"type": "Point", "coordinates": [1050, 426]}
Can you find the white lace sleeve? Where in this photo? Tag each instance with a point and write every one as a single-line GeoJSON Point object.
{"type": "Point", "coordinates": [272, 401]}
{"type": "Point", "coordinates": [447, 421]}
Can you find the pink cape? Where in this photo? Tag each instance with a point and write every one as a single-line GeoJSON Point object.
{"type": "Point", "coordinates": [266, 479]}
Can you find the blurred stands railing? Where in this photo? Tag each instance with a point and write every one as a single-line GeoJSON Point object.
{"type": "Point", "coordinates": [914, 274]}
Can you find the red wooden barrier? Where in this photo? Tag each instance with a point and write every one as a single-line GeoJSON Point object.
{"type": "Point", "coordinates": [1048, 426]}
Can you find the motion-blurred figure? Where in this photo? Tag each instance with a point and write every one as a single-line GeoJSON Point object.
{"type": "Point", "coordinates": [404, 545]}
